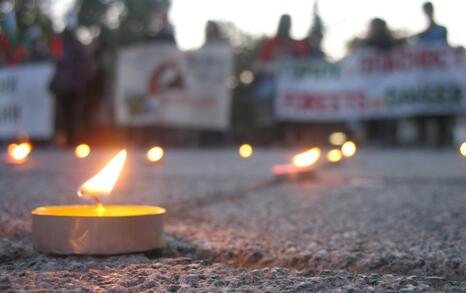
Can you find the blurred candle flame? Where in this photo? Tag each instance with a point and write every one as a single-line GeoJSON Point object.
{"type": "Point", "coordinates": [337, 138]}
{"type": "Point", "coordinates": [463, 149]}
{"type": "Point", "coordinates": [155, 154]}
{"type": "Point", "coordinates": [245, 151]}
{"type": "Point", "coordinates": [307, 158]}
{"type": "Point", "coordinates": [102, 183]}
{"type": "Point", "coordinates": [334, 156]}
{"type": "Point", "coordinates": [348, 149]}
{"type": "Point", "coordinates": [19, 152]}
{"type": "Point", "coordinates": [82, 151]}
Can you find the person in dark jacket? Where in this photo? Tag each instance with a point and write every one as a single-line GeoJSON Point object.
{"type": "Point", "coordinates": [69, 84]}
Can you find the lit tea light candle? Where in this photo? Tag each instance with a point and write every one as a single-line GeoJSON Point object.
{"type": "Point", "coordinates": [348, 149]}
{"type": "Point", "coordinates": [155, 154]}
{"type": "Point", "coordinates": [334, 156]}
{"type": "Point", "coordinates": [98, 229]}
{"type": "Point", "coordinates": [245, 151]}
{"type": "Point", "coordinates": [302, 165]}
{"type": "Point", "coordinates": [82, 151]}
{"type": "Point", "coordinates": [18, 153]}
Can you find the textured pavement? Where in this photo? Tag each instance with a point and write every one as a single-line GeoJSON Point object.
{"type": "Point", "coordinates": [386, 220]}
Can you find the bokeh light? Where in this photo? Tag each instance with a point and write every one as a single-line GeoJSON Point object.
{"type": "Point", "coordinates": [348, 149]}
{"type": "Point", "coordinates": [337, 138]}
{"type": "Point", "coordinates": [334, 156]}
{"type": "Point", "coordinates": [463, 149]}
{"type": "Point", "coordinates": [155, 154]}
{"type": "Point", "coordinates": [245, 151]}
{"type": "Point", "coordinates": [82, 151]}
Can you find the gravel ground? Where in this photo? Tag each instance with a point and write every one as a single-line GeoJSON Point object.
{"type": "Point", "coordinates": [383, 221]}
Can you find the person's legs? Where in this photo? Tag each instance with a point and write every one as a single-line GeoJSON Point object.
{"type": "Point", "coordinates": [444, 130]}
{"type": "Point", "coordinates": [69, 118]}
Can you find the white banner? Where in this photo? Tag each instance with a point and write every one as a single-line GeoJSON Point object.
{"type": "Point", "coordinates": [405, 82]}
{"type": "Point", "coordinates": [26, 107]}
{"type": "Point", "coordinates": [158, 84]}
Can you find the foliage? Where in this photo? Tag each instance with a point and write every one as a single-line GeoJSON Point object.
{"type": "Point", "coordinates": [121, 22]}
{"type": "Point", "coordinates": [28, 13]}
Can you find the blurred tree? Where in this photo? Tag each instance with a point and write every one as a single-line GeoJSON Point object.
{"type": "Point", "coordinates": [121, 22]}
{"type": "Point", "coordinates": [17, 17]}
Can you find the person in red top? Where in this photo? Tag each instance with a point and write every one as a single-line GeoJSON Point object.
{"type": "Point", "coordinates": [281, 45]}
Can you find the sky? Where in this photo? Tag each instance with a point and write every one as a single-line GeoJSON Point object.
{"type": "Point", "coordinates": [344, 19]}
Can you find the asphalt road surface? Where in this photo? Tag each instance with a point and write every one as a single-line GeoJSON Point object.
{"type": "Point", "coordinates": [386, 220]}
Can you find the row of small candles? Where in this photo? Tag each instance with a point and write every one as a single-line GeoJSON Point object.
{"type": "Point", "coordinates": [115, 229]}
{"type": "Point", "coordinates": [18, 153]}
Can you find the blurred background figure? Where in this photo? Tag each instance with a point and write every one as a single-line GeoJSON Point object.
{"type": "Point", "coordinates": [69, 84]}
{"type": "Point", "coordinates": [434, 33]}
{"type": "Point", "coordinates": [379, 36]}
{"type": "Point", "coordinates": [271, 52]}
{"type": "Point", "coordinates": [282, 45]}
{"type": "Point", "coordinates": [39, 50]}
{"type": "Point", "coordinates": [213, 34]}
{"type": "Point", "coordinates": [439, 128]}
{"type": "Point", "coordinates": [162, 30]}
{"type": "Point", "coordinates": [381, 39]}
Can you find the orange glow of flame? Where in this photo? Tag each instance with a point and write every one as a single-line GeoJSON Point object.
{"type": "Point", "coordinates": [245, 151]}
{"type": "Point", "coordinates": [334, 156]}
{"type": "Point", "coordinates": [19, 152]}
{"type": "Point", "coordinates": [82, 151]}
{"type": "Point", "coordinates": [307, 158]}
{"type": "Point", "coordinates": [103, 182]}
{"type": "Point", "coordinates": [155, 154]}
{"type": "Point", "coordinates": [348, 149]}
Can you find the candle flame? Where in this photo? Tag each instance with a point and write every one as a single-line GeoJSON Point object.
{"type": "Point", "coordinates": [19, 152]}
{"type": "Point", "coordinates": [82, 151]}
{"type": "Point", "coordinates": [337, 138]}
{"type": "Point", "coordinates": [307, 158]}
{"type": "Point", "coordinates": [103, 182]}
{"type": "Point", "coordinates": [348, 149]}
{"type": "Point", "coordinates": [334, 156]}
{"type": "Point", "coordinates": [155, 154]}
{"type": "Point", "coordinates": [245, 151]}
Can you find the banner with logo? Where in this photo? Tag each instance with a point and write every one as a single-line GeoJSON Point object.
{"type": "Point", "coordinates": [26, 106]}
{"type": "Point", "coordinates": [364, 85]}
{"type": "Point", "coordinates": [158, 84]}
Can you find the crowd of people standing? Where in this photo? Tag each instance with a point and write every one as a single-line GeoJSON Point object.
{"type": "Point", "coordinates": [379, 38]}
{"type": "Point", "coordinates": [78, 83]}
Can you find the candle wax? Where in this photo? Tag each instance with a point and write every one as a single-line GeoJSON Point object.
{"type": "Point", "coordinates": [95, 211]}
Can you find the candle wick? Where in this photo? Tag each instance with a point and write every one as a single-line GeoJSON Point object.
{"type": "Point", "coordinates": [97, 200]}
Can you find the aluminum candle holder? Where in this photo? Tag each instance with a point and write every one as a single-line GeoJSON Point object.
{"type": "Point", "coordinates": [66, 230]}
{"type": "Point", "coordinates": [290, 171]}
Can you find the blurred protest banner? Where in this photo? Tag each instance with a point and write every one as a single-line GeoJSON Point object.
{"type": "Point", "coordinates": [26, 106]}
{"type": "Point", "coordinates": [405, 82]}
{"type": "Point", "coordinates": [158, 84]}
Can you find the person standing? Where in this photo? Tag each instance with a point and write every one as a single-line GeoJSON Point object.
{"type": "Point", "coordinates": [271, 52]}
{"type": "Point", "coordinates": [282, 44]}
{"type": "Point", "coordinates": [69, 83]}
{"type": "Point", "coordinates": [434, 34]}
{"type": "Point", "coordinates": [380, 39]}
